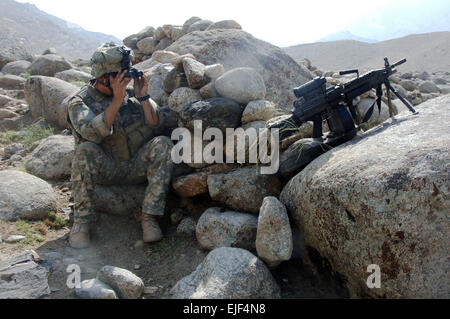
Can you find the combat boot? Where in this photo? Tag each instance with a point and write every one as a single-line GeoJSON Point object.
{"type": "Point", "coordinates": [79, 235]}
{"type": "Point", "coordinates": [151, 232]}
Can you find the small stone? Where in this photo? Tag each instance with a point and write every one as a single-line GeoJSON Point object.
{"type": "Point", "coordinates": [14, 239]}
{"type": "Point", "coordinates": [124, 282]}
{"type": "Point", "coordinates": [137, 267]}
{"type": "Point", "coordinates": [195, 73]}
{"type": "Point", "coordinates": [95, 289]}
{"type": "Point", "coordinates": [214, 71]}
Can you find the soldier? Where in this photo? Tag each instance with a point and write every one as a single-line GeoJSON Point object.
{"type": "Point", "coordinates": [113, 128]}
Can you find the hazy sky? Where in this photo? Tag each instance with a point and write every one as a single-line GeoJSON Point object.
{"type": "Point", "coordinates": [280, 22]}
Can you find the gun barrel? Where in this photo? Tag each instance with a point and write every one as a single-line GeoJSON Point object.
{"type": "Point", "coordinates": [349, 72]}
{"type": "Point", "coordinates": [398, 63]}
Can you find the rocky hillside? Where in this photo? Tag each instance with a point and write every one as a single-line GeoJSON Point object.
{"type": "Point", "coordinates": [424, 52]}
{"type": "Point", "coordinates": [380, 199]}
{"type": "Point", "coordinates": [23, 27]}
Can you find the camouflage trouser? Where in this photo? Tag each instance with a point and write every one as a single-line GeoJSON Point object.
{"type": "Point", "coordinates": [91, 165]}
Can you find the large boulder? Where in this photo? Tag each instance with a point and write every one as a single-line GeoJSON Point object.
{"type": "Point", "coordinates": [242, 85]}
{"type": "Point", "coordinates": [16, 67]}
{"type": "Point", "coordinates": [13, 53]}
{"type": "Point", "coordinates": [236, 48]}
{"type": "Point", "coordinates": [46, 98]}
{"type": "Point", "coordinates": [24, 277]}
{"type": "Point", "coordinates": [11, 82]}
{"type": "Point", "coordinates": [243, 189]}
{"type": "Point", "coordinates": [221, 113]}
{"type": "Point", "coordinates": [24, 196]}
{"type": "Point", "coordinates": [382, 199]}
{"type": "Point", "coordinates": [49, 65]}
{"type": "Point", "coordinates": [52, 159]}
{"type": "Point", "coordinates": [226, 229]}
{"type": "Point", "coordinates": [228, 273]}
{"type": "Point", "coordinates": [73, 75]}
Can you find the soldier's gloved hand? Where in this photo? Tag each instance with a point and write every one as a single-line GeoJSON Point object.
{"type": "Point", "coordinates": [141, 86]}
{"type": "Point", "coordinates": [119, 85]}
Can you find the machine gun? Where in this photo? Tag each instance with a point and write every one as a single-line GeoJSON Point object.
{"type": "Point", "coordinates": [315, 102]}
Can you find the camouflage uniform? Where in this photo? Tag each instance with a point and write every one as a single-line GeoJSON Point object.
{"type": "Point", "coordinates": [123, 155]}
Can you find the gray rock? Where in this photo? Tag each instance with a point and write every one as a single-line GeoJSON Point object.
{"type": "Point", "coordinates": [188, 23]}
{"type": "Point", "coordinates": [187, 226]}
{"type": "Point", "coordinates": [23, 277]}
{"type": "Point", "coordinates": [226, 229]}
{"type": "Point", "coordinates": [11, 82]}
{"type": "Point", "coordinates": [195, 73]}
{"type": "Point", "coordinates": [228, 273]}
{"type": "Point", "coordinates": [183, 96]}
{"type": "Point", "coordinates": [147, 45]}
{"type": "Point", "coordinates": [214, 71]}
{"type": "Point", "coordinates": [444, 89]}
{"type": "Point", "coordinates": [259, 110]}
{"type": "Point", "coordinates": [428, 87]}
{"type": "Point", "coordinates": [274, 236]}
{"type": "Point", "coordinates": [236, 48]}
{"type": "Point", "coordinates": [47, 97]}
{"type": "Point", "coordinates": [13, 53]}
{"type": "Point", "coordinates": [163, 44]}
{"type": "Point", "coordinates": [176, 33]}
{"type": "Point", "coordinates": [73, 75]}
{"type": "Point", "coordinates": [145, 33]}
{"type": "Point", "coordinates": [24, 196]}
{"type": "Point", "coordinates": [7, 114]}
{"type": "Point", "coordinates": [16, 67]}
{"type": "Point", "coordinates": [406, 76]}
{"type": "Point", "coordinates": [440, 81]}
{"type": "Point", "coordinates": [124, 282]}
{"type": "Point", "coordinates": [53, 255]}
{"type": "Point", "coordinates": [52, 159]}
{"type": "Point", "coordinates": [194, 184]}
{"type": "Point", "coordinates": [174, 80]}
{"type": "Point", "coordinates": [382, 199]}
{"type": "Point", "coordinates": [163, 56]}
{"type": "Point", "coordinates": [299, 154]}
{"type": "Point", "coordinates": [14, 239]}
{"type": "Point", "coordinates": [12, 149]}
{"type": "Point", "coordinates": [218, 112]}
{"type": "Point", "coordinates": [178, 61]}
{"type": "Point", "coordinates": [49, 51]}
{"type": "Point", "coordinates": [201, 25]}
{"type": "Point", "coordinates": [95, 289]}
{"type": "Point", "coordinates": [156, 77]}
{"type": "Point", "coordinates": [49, 65]}
{"type": "Point", "coordinates": [408, 85]}
{"type": "Point", "coordinates": [1, 239]}
{"type": "Point", "coordinates": [167, 29]}
{"type": "Point", "coordinates": [159, 34]}
{"type": "Point", "coordinates": [242, 85]}
{"type": "Point", "coordinates": [225, 24]}
{"type": "Point", "coordinates": [131, 41]}
{"type": "Point", "coordinates": [209, 91]}
{"type": "Point", "coordinates": [243, 189]}
{"type": "Point", "coordinates": [423, 76]}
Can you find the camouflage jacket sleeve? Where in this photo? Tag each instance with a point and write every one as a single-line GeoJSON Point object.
{"type": "Point", "coordinates": [86, 123]}
{"type": "Point", "coordinates": [159, 114]}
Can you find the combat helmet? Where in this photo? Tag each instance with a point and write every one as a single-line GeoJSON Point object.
{"type": "Point", "coordinates": [107, 59]}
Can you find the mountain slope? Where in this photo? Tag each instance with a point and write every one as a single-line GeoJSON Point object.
{"type": "Point", "coordinates": [345, 35]}
{"type": "Point", "coordinates": [424, 52]}
{"type": "Point", "coordinates": [23, 24]}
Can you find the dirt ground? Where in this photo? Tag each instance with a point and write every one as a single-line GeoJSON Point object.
{"type": "Point", "coordinates": [116, 241]}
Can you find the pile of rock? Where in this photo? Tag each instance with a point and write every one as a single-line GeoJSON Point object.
{"type": "Point", "coordinates": [149, 40]}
